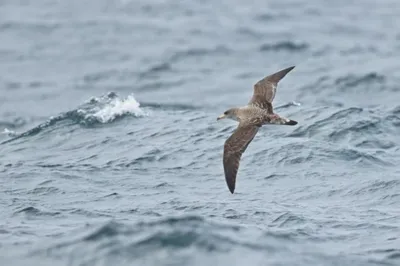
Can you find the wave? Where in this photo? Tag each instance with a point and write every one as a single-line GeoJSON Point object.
{"type": "Point", "coordinates": [285, 46]}
{"type": "Point", "coordinates": [17, 122]}
{"type": "Point", "coordinates": [168, 106]}
{"type": "Point", "coordinates": [351, 81]}
{"type": "Point", "coordinates": [376, 187]}
{"type": "Point", "coordinates": [107, 109]}
{"type": "Point", "coordinates": [200, 52]}
{"type": "Point", "coordinates": [97, 110]}
{"type": "Point", "coordinates": [319, 126]}
{"type": "Point", "coordinates": [189, 240]}
{"type": "Point", "coordinates": [10, 133]}
{"type": "Point", "coordinates": [332, 88]}
{"type": "Point", "coordinates": [33, 212]}
{"type": "Point", "coordinates": [363, 128]}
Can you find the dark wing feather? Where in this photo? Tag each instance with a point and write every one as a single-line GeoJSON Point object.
{"type": "Point", "coordinates": [265, 90]}
{"type": "Point", "coordinates": [234, 147]}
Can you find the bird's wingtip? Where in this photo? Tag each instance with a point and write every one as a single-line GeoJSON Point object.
{"type": "Point", "coordinates": [277, 76]}
{"type": "Point", "coordinates": [231, 187]}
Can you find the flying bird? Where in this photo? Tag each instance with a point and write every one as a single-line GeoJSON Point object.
{"type": "Point", "coordinates": [255, 114]}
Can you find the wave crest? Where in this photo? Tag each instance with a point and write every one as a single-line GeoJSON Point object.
{"type": "Point", "coordinates": [103, 110]}
{"type": "Point", "coordinates": [107, 109]}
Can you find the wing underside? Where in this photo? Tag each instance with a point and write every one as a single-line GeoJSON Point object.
{"type": "Point", "coordinates": [234, 147]}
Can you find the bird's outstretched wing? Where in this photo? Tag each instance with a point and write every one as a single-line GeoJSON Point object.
{"type": "Point", "coordinates": [265, 90]}
{"type": "Point", "coordinates": [234, 147]}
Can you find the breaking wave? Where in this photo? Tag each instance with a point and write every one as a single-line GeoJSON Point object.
{"type": "Point", "coordinates": [97, 110]}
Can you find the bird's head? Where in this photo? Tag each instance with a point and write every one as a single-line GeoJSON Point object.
{"type": "Point", "coordinates": [230, 113]}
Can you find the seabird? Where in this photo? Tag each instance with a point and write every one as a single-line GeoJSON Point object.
{"type": "Point", "coordinates": [256, 113]}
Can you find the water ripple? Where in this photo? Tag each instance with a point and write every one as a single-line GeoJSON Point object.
{"type": "Point", "coordinates": [285, 46]}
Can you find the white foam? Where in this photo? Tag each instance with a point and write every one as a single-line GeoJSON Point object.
{"type": "Point", "coordinates": [117, 107]}
{"type": "Point", "coordinates": [9, 132]}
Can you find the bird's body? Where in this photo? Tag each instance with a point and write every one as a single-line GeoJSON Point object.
{"type": "Point", "coordinates": [255, 114]}
{"type": "Point", "coordinates": [251, 114]}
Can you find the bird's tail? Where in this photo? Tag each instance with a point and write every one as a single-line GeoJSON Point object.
{"type": "Point", "coordinates": [290, 122]}
{"type": "Point", "coordinates": [280, 120]}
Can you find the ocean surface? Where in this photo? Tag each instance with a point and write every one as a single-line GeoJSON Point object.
{"type": "Point", "coordinates": [111, 154]}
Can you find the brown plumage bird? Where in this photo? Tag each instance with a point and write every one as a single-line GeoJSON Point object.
{"type": "Point", "coordinates": [256, 113]}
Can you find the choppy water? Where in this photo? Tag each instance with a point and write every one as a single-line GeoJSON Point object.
{"type": "Point", "coordinates": [111, 152]}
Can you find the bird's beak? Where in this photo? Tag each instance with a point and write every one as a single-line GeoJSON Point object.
{"type": "Point", "coordinates": [221, 117]}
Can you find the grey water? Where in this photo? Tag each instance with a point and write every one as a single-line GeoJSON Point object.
{"type": "Point", "coordinates": [111, 153]}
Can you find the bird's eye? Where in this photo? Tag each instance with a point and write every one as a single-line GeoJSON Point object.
{"type": "Point", "coordinates": [226, 112]}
